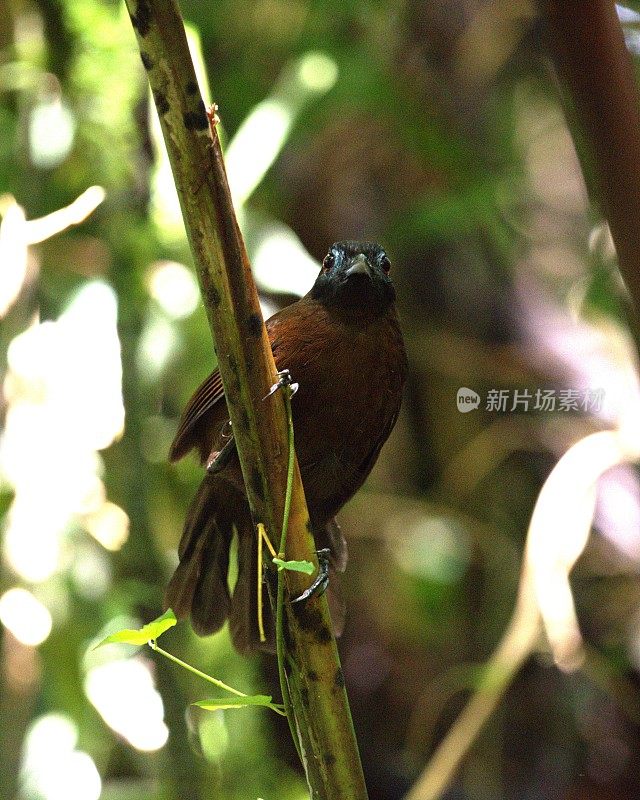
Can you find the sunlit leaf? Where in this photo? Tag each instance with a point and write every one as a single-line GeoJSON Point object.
{"type": "Point", "coordinates": [217, 703]}
{"type": "Point", "coordinates": [144, 634]}
{"type": "Point", "coordinates": [294, 566]}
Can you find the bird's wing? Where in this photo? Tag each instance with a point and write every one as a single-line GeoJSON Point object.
{"type": "Point", "coordinates": [206, 396]}
{"type": "Point", "coordinates": [194, 422]}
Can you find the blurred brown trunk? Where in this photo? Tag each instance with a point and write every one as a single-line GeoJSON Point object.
{"type": "Point", "coordinates": [589, 52]}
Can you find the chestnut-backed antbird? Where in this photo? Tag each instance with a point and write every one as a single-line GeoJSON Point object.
{"type": "Point", "coordinates": [342, 345]}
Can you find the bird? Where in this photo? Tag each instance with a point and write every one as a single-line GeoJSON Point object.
{"type": "Point", "coordinates": [342, 344]}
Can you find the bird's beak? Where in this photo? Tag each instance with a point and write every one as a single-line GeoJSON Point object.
{"type": "Point", "coordinates": [359, 266]}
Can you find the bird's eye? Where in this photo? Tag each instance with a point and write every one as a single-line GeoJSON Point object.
{"type": "Point", "coordinates": [385, 264]}
{"type": "Point", "coordinates": [329, 261]}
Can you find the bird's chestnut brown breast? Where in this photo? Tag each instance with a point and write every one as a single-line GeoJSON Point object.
{"type": "Point", "coordinates": [350, 372]}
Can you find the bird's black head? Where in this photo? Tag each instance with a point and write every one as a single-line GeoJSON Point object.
{"type": "Point", "coordinates": [355, 275]}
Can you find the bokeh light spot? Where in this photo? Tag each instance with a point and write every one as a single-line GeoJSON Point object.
{"type": "Point", "coordinates": [174, 287]}
{"type": "Point", "coordinates": [25, 616]}
{"type": "Point", "coordinates": [124, 696]}
{"type": "Point", "coordinates": [52, 768]}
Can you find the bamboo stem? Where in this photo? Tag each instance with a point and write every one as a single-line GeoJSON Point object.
{"type": "Point", "coordinates": [245, 361]}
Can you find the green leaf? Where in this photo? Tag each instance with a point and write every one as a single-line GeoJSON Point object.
{"type": "Point", "coordinates": [294, 566]}
{"type": "Point", "coordinates": [144, 634]}
{"type": "Point", "coordinates": [216, 703]}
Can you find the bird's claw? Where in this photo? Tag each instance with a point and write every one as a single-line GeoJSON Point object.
{"type": "Point", "coordinates": [212, 116]}
{"type": "Point", "coordinates": [284, 379]}
{"type": "Point", "coordinates": [319, 586]}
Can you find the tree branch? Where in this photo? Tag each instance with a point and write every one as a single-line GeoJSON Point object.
{"type": "Point", "coordinates": [245, 361]}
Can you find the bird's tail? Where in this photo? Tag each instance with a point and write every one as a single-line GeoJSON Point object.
{"type": "Point", "coordinates": [199, 587]}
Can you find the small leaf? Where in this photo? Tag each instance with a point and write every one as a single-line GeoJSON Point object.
{"type": "Point", "coordinates": [144, 634]}
{"type": "Point", "coordinates": [294, 566]}
{"type": "Point", "coordinates": [158, 626]}
{"type": "Point", "coordinates": [216, 703]}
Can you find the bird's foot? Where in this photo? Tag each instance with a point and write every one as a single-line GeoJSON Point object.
{"type": "Point", "coordinates": [212, 116]}
{"type": "Point", "coordinates": [284, 379]}
{"type": "Point", "coordinates": [321, 581]}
